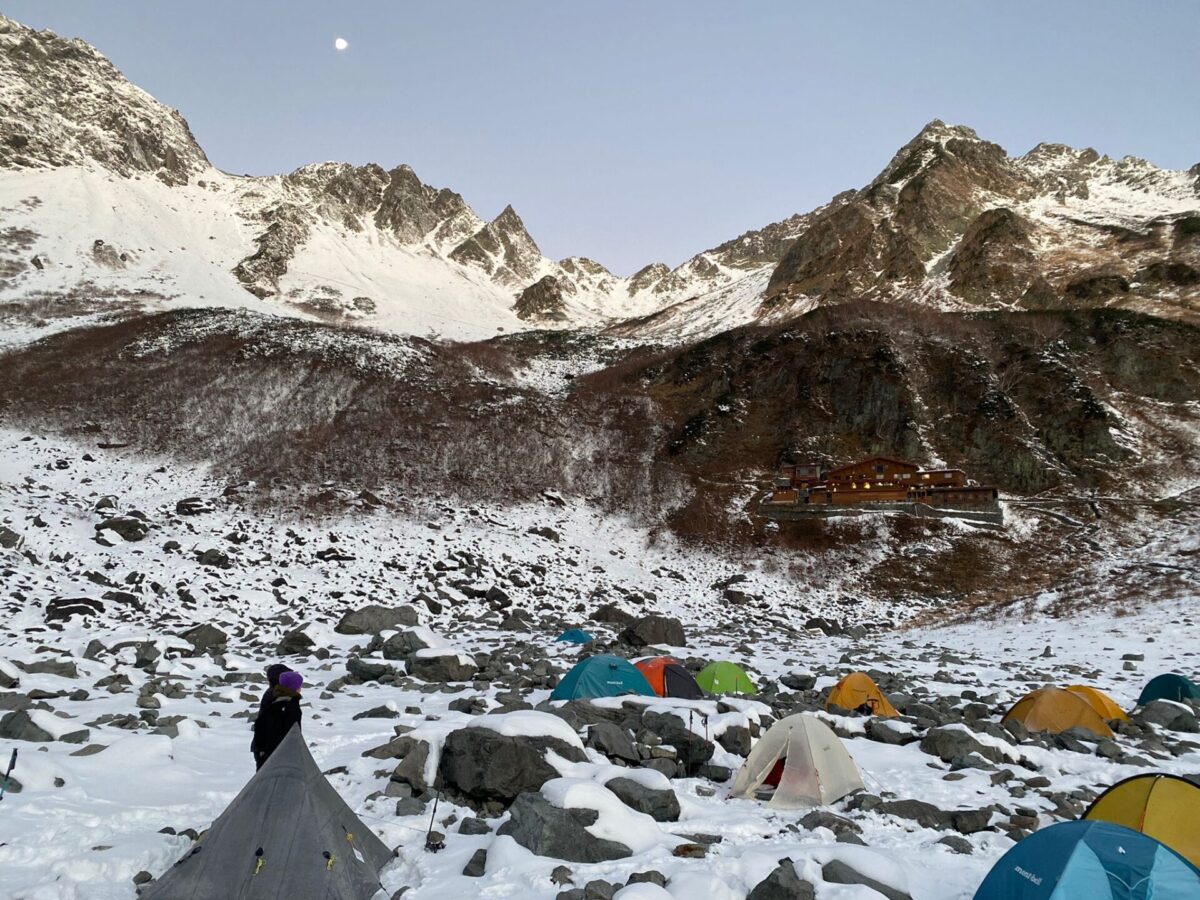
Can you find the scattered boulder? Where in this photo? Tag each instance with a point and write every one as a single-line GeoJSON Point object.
{"type": "Point", "coordinates": [611, 740]}
{"type": "Point", "coordinates": [952, 742]}
{"type": "Point", "coordinates": [365, 670]}
{"type": "Point", "coordinates": [374, 619]}
{"type": "Point", "coordinates": [782, 884]}
{"type": "Point", "coordinates": [295, 643]}
{"type": "Point", "coordinates": [130, 528]}
{"type": "Point", "coordinates": [1170, 715]}
{"type": "Point", "coordinates": [63, 609]}
{"type": "Point", "coordinates": [660, 804]}
{"type": "Point", "coordinates": [611, 614]}
{"type": "Point", "coordinates": [404, 645]}
{"type": "Point", "coordinates": [483, 764]}
{"type": "Point", "coordinates": [214, 558]}
{"type": "Point", "coordinates": [839, 872]}
{"type": "Point", "coordinates": [654, 630]}
{"type": "Point", "coordinates": [206, 640]}
{"type": "Point", "coordinates": [544, 829]}
{"type": "Point", "coordinates": [9, 539]}
{"type": "Point", "coordinates": [441, 666]}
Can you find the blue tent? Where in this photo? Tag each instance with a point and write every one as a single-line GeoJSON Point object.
{"type": "Point", "coordinates": [602, 676]}
{"type": "Point", "coordinates": [575, 636]}
{"type": "Point", "coordinates": [1168, 687]}
{"type": "Point", "coordinates": [1092, 859]}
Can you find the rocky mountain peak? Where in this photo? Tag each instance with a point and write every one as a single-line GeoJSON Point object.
{"type": "Point", "coordinates": [503, 248]}
{"type": "Point", "coordinates": [63, 103]}
{"type": "Point", "coordinates": [648, 276]}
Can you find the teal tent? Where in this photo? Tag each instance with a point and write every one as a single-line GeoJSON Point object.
{"type": "Point", "coordinates": [602, 676]}
{"type": "Point", "coordinates": [1096, 860]}
{"type": "Point", "coordinates": [1169, 687]}
{"type": "Point", "coordinates": [575, 636]}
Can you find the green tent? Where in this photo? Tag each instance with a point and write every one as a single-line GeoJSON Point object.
{"type": "Point", "coordinates": [725, 677]}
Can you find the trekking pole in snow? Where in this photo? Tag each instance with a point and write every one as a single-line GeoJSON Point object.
{"type": "Point", "coordinates": [432, 844]}
{"type": "Point", "coordinates": [12, 764]}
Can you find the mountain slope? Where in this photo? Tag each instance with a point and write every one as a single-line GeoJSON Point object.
{"type": "Point", "coordinates": [954, 222]}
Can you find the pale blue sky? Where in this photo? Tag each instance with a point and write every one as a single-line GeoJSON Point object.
{"type": "Point", "coordinates": [639, 131]}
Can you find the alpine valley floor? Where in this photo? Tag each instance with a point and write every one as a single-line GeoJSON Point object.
{"type": "Point", "coordinates": [166, 717]}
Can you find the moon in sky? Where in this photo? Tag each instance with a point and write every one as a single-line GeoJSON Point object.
{"type": "Point", "coordinates": [340, 44]}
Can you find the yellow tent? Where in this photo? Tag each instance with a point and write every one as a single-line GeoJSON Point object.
{"type": "Point", "coordinates": [1164, 807]}
{"type": "Point", "coordinates": [856, 690]}
{"type": "Point", "coordinates": [1055, 710]}
{"type": "Point", "coordinates": [1105, 705]}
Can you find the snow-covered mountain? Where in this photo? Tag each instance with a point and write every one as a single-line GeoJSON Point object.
{"type": "Point", "coordinates": [106, 196]}
{"type": "Point", "coordinates": [955, 223]}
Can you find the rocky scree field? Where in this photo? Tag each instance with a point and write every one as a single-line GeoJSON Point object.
{"type": "Point", "coordinates": [144, 598]}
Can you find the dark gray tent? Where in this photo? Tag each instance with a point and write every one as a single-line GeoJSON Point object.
{"type": "Point", "coordinates": [287, 836]}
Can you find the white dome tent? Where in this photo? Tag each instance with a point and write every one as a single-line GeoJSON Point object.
{"type": "Point", "coordinates": [817, 769]}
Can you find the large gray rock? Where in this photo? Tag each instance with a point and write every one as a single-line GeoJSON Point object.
{"type": "Point", "coordinates": [442, 668]}
{"type": "Point", "coordinates": [782, 884]}
{"type": "Point", "coordinates": [654, 629]}
{"type": "Point", "coordinates": [9, 539]}
{"type": "Point", "coordinates": [366, 670]}
{"type": "Point", "coordinates": [949, 743]}
{"type": "Point", "coordinates": [660, 805]}
{"type": "Point", "coordinates": [612, 740]}
{"type": "Point", "coordinates": [63, 609]}
{"type": "Point", "coordinates": [838, 872]}
{"type": "Point", "coordinates": [63, 668]}
{"type": "Point", "coordinates": [483, 765]}
{"type": "Point", "coordinates": [1169, 715]}
{"type": "Point", "coordinates": [206, 640]}
{"type": "Point", "coordinates": [546, 830]}
{"type": "Point", "coordinates": [692, 750]}
{"type": "Point", "coordinates": [130, 528]}
{"type": "Point", "coordinates": [18, 726]}
{"type": "Point", "coordinates": [403, 645]}
{"type": "Point", "coordinates": [374, 619]}
{"type": "Point", "coordinates": [924, 814]}
{"type": "Point", "coordinates": [295, 643]}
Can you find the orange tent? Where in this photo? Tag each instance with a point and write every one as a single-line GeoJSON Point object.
{"type": "Point", "coordinates": [858, 690]}
{"type": "Point", "coordinates": [1100, 702]}
{"type": "Point", "coordinates": [668, 678]}
{"type": "Point", "coordinates": [1054, 710]}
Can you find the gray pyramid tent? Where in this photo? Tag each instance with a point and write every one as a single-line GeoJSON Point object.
{"type": "Point", "coordinates": [287, 836]}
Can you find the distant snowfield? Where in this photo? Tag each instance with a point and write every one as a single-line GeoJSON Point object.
{"type": "Point", "coordinates": [83, 826]}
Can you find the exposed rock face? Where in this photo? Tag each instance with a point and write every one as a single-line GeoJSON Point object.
{"type": "Point", "coordinates": [502, 248]}
{"type": "Point", "coordinates": [994, 258]}
{"type": "Point", "coordinates": [542, 300]}
{"type": "Point", "coordinates": [76, 108]}
{"type": "Point", "coordinates": [949, 192]}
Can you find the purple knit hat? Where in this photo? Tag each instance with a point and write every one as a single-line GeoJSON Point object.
{"type": "Point", "coordinates": [293, 681]}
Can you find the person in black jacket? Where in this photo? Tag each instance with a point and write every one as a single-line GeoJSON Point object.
{"type": "Point", "coordinates": [274, 722]}
{"type": "Point", "coordinates": [273, 673]}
